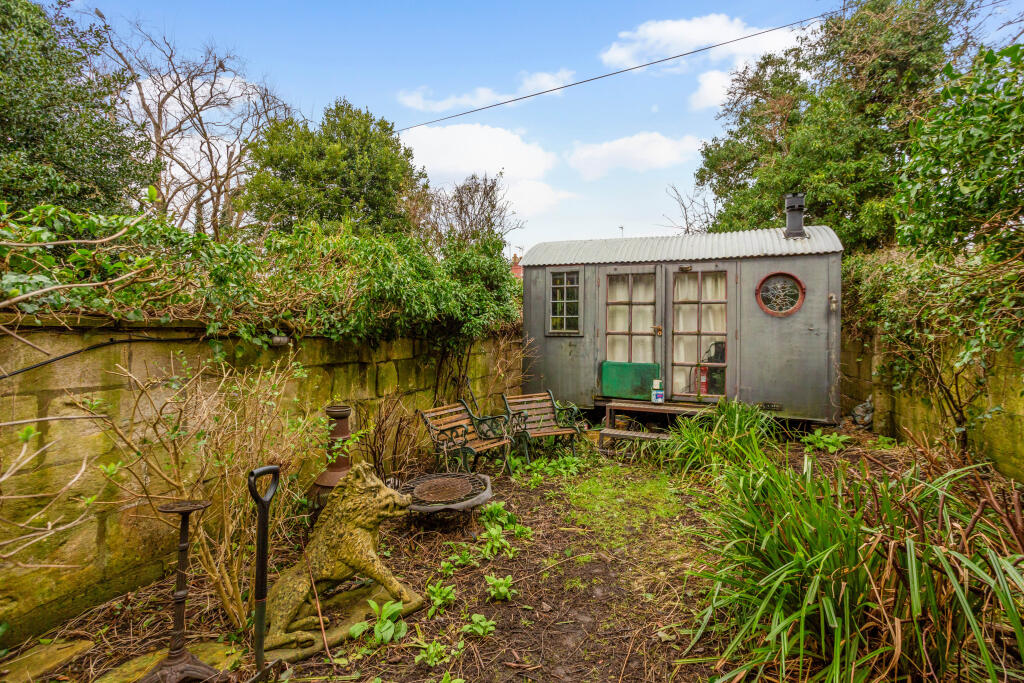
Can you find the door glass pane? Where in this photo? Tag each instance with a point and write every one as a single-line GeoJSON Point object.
{"type": "Point", "coordinates": [685, 287]}
{"type": "Point", "coordinates": [643, 287]}
{"type": "Point", "coordinates": [712, 317]}
{"type": "Point", "coordinates": [618, 348]}
{"type": "Point", "coordinates": [714, 287]}
{"type": "Point", "coordinates": [716, 380]}
{"type": "Point", "coordinates": [683, 380]}
{"type": "Point", "coordinates": [643, 318]}
{"type": "Point", "coordinates": [712, 349]}
{"type": "Point", "coordinates": [643, 349]}
{"type": "Point", "coordinates": [618, 318]}
{"type": "Point", "coordinates": [684, 318]}
{"type": "Point", "coordinates": [684, 349]}
{"type": "Point", "coordinates": [618, 288]}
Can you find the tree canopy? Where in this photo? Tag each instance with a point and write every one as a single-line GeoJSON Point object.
{"type": "Point", "coordinates": [61, 140]}
{"type": "Point", "coordinates": [831, 117]}
{"type": "Point", "coordinates": [351, 167]}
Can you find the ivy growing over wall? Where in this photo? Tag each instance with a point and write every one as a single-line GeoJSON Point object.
{"type": "Point", "coordinates": [323, 280]}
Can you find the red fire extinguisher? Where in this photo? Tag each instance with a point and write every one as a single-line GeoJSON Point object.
{"type": "Point", "coordinates": [703, 380]}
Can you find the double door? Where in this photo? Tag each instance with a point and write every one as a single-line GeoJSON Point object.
{"type": "Point", "coordinates": [675, 315]}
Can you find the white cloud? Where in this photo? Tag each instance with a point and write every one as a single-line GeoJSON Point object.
{"type": "Point", "coordinates": [641, 152]}
{"type": "Point", "coordinates": [657, 39]}
{"type": "Point", "coordinates": [420, 100]}
{"type": "Point", "coordinates": [450, 153]}
{"type": "Point", "coordinates": [712, 89]}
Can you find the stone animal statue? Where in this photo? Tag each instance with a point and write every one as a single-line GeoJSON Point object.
{"type": "Point", "coordinates": [344, 543]}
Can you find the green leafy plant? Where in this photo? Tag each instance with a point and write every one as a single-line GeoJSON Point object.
{"type": "Point", "coordinates": [479, 626]}
{"type": "Point", "coordinates": [494, 513]}
{"type": "Point", "coordinates": [500, 588]}
{"type": "Point", "coordinates": [447, 678]}
{"type": "Point", "coordinates": [447, 569]}
{"type": "Point", "coordinates": [432, 653]}
{"type": "Point", "coordinates": [884, 442]}
{"type": "Point", "coordinates": [494, 543]}
{"type": "Point", "coordinates": [465, 555]}
{"type": "Point", "coordinates": [521, 531]}
{"type": "Point", "coordinates": [388, 626]}
{"type": "Point", "coordinates": [440, 596]}
{"type": "Point", "coordinates": [819, 441]}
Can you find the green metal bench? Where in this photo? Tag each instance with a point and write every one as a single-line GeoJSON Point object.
{"type": "Point", "coordinates": [459, 435]}
{"type": "Point", "coordinates": [538, 416]}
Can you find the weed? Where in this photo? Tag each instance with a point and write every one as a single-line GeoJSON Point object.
{"type": "Point", "coordinates": [521, 531]}
{"type": "Point", "coordinates": [819, 441]}
{"type": "Point", "coordinates": [447, 678]}
{"type": "Point", "coordinates": [574, 584]}
{"type": "Point", "coordinates": [479, 626]}
{"type": "Point", "coordinates": [465, 555]}
{"type": "Point", "coordinates": [447, 569]}
{"type": "Point", "coordinates": [440, 597]}
{"type": "Point", "coordinates": [433, 653]}
{"type": "Point", "coordinates": [495, 514]}
{"type": "Point", "coordinates": [500, 588]}
{"type": "Point", "coordinates": [884, 442]}
{"type": "Point", "coordinates": [494, 543]}
{"type": "Point", "coordinates": [388, 627]}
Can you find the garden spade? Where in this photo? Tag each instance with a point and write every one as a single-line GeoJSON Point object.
{"type": "Point", "coordinates": [260, 590]}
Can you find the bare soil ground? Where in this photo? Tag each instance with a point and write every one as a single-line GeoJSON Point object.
{"type": "Point", "coordinates": [604, 585]}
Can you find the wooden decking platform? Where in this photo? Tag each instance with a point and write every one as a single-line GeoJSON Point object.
{"type": "Point", "coordinates": [614, 406]}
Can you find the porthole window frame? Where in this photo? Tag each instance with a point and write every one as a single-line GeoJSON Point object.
{"type": "Point", "coordinates": [781, 314]}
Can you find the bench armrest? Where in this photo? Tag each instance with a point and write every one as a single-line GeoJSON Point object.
{"type": "Point", "coordinates": [449, 438]}
{"type": "Point", "coordinates": [517, 421]}
{"type": "Point", "coordinates": [488, 426]}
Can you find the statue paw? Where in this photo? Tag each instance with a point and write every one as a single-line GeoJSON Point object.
{"type": "Point", "coordinates": [307, 624]}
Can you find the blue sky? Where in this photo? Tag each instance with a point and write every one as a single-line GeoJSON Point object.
{"type": "Point", "coordinates": [578, 164]}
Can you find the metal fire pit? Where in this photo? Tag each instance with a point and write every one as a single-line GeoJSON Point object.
{"type": "Point", "coordinates": [447, 491]}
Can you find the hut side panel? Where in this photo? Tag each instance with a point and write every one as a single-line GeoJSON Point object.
{"type": "Point", "coordinates": [567, 364]}
{"type": "Point", "coordinates": [791, 361]}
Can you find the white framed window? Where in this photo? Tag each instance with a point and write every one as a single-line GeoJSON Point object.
{"type": "Point", "coordinates": [565, 314]}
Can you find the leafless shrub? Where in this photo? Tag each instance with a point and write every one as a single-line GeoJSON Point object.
{"type": "Point", "coordinates": [196, 433]}
{"type": "Point", "coordinates": [697, 210]}
{"type": "Point", "coordinates": [473, 210]}
{"type": "Point", "coordinates": [391, 436]}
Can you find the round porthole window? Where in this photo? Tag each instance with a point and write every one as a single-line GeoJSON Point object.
{"type": "Point", "coordinates": [780, 294]}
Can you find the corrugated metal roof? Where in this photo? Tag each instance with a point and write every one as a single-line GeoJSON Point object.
{"type": "Point", "coordinates": [703, 247]}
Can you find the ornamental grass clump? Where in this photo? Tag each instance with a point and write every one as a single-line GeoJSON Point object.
{"type": "Point", "coordinates": [731, 432]}
{"type": "Point", "coordinates": [854, 576]}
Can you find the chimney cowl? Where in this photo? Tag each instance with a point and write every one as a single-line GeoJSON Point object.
{"type": "Point", "coordinates": [795, 216]}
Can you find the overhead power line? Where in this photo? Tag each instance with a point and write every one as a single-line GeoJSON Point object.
{"type": "Point", "coordinates": [622, 71]}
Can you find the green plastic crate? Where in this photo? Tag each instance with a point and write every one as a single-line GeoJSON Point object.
{"type": "Point", "coordinates": [628, 380]}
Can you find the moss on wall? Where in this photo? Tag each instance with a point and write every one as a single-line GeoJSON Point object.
{"type": "Point", "coordinates": [116, 550]}
{"type": "Point", "coordinates": [999, 437]}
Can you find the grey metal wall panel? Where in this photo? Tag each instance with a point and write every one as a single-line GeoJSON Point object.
{"type": "Point", "coordinates": [789, 360]}
{"type": "Point", "coordinates": [702, 247]}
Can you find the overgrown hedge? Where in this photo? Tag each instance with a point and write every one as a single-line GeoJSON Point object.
{"type": "Point", "coordinates": [322, 280]}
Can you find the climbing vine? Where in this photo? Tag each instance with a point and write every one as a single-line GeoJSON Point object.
{"type": "Point", "coordinates": [316, 280]}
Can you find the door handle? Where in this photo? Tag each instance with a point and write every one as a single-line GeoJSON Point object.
{"type": "Point", "coordinates": [657, 330]}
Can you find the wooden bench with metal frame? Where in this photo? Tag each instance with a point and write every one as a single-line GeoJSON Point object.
{"type": "Point", "coordinates": [458, 434]}
{"type": "Point", "coordinates": [538, 416]}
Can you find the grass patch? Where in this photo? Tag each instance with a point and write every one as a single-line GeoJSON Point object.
{"type": "Point", "coordinates": [616, 502]}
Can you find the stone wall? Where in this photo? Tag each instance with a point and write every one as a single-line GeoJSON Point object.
{"type": "Point", "coordinates": [118, 549]}
{"type": "Point", "coordinates": [1000, 437]}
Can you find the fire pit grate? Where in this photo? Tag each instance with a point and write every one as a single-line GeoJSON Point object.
{"type": "Point", "coordinates": [447, 491]}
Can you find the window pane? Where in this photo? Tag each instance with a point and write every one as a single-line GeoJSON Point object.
{"type": "Point", "coordinates": [572, 324]}
{"type": "Point", "coordinates": [557, 279]}
{"type": "Point", "coordinates": [556, 324]}
{"type": "Point", "coordinates": [572, 293]}
{"type": "Point", "coordinates": [557, 293]}
{"type": "Point", "coordinates": [684, 349]}
{"type": "Point", "coordinates": [557, 308]}
{"type": "Point", "coordinates": [618, 288]}
{"type": "Point", "coordinates": [712, 349]}
{"type": "Point", "coordinates": [643, 349]}
{"type": "Point", "coordinates": [618, 347]}
{"type": "Point", "coordinates": [712, 318]}
{"type": "Point", "coordinates": [643, 318]}
{"type": "Point", "coordinates": [683, 380]}
{"type": "Point", "coordinates": [572, 278]}
{"type": "Point", "coordinates": [716, 381]}
{"type": "Point", "coordinates": [572, 308]}
{"type": "Point", "coordinates": [643, 287]}
{"type": "Point", "coordinates": [618, 318]}
{"type": "Point", "coordinates": [685, 288]}
{"type": "Point", "coordinates": [684, 318]}
{"type": "Point", "coordinates": [714, 287]}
